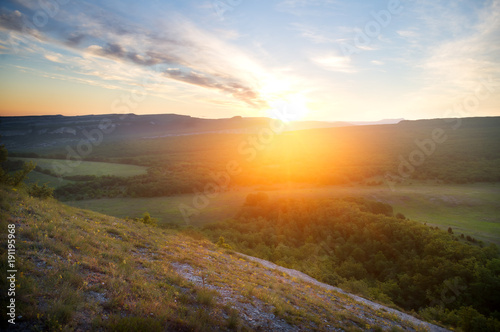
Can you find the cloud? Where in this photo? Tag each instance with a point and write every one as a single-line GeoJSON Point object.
{"type": "Point", "coordinates": [52, 57]}
{"type": "Point", "coordinates": [237, 90]}
{"type": "Point", "coordinates": [17, 22]}
{"type": "Point", "coordinates": [312, 34]}
{"type": "Point", "coordinates": [75, 39]}
{"type": "Point", "coordinates": [207, 60]}
{"type": "Point", "coordinates": [335, 63]}
{"type": "Point", "coordinates": [407, 33]}
{"type": "Point", "coordinates": [461, 62]}
{"type": "Point", "coordinates": [452, 60]}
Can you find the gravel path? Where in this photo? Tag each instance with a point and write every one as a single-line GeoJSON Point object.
{"type": "Point", "coordinates": [373, 305]}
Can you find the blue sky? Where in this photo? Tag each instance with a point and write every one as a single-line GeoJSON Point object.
{"type": "Point", "coordinates": [317, 59]}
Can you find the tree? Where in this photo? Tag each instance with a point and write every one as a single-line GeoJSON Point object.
{"type": "Point", "coordinates": [3, 158]}
{"type": "Point", "coordinates": [41, 192]}
{"type": "Point", "coordinates": [17, 178]}
{"type": "Point", "coordinates": [399, 215]}
{"type": "Point", "coordinates": [256, 199]}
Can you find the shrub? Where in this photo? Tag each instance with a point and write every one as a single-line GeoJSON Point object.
{"type": "Point", "coordinates": [148, 220]}
{"type": "Point", "coordinates": [206, 296]}
{"type": "Point", "coordinates": [222, 243]}
{"type": "Point", "coordinates": [40, 192]}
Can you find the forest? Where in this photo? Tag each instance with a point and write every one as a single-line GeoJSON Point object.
{"type": "Point", "coordinates": [360, 246]}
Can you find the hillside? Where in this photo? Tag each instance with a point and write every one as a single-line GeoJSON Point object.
{"type": "Point", "coordinates": [80, 270]}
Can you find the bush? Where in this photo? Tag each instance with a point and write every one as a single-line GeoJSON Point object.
{"type": "Point", "coordinates": [148, 220]}
{"type": "Point", "coordinates": [40, 192]}
{"type": "Point", "coordinates": [222, 243]}
{"type": "Point", "coordinates": [206, 296]}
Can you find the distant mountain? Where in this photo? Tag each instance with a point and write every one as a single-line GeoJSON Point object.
{"type": "Point", "coordinates": [379, 122]}
{"type": "Point", "coordinates": [50, 131]}
{"type": "Point", "coordinates": [23, 132]}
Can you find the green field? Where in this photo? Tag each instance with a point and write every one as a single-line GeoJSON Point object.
{"type": "Point", "coordinates": [51, 181]}
{"type": "Point", "coordinates": [472, 209]}
{"type": "Point", "coordinates": [86, 167]}
{"type": "Point", "coordinates": [166, 209]}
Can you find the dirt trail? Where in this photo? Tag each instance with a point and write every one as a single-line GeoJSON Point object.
{"type": "Point", "coordinates": [373, 305]}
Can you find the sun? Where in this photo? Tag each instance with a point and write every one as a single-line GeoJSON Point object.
{"type": "Point", "coordinates": [286, 103]}
{"type": "Point", "coordinates": [292, 107]}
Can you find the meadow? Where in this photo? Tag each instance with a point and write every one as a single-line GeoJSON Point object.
{"type": "Point", "coordinates": [472, 209]}
{"type": "Point", "coordinates": [86, 167]}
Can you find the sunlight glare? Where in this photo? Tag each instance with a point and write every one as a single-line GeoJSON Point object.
{"type": "Point", "coordinates": [292, 107]}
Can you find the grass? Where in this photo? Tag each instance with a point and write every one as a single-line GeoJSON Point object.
{"type": "Point", "coordinates": [83, 270]}
{"type": "Point", "coordinates": [472, 209]}
{"type": "Point", "coordinates": [166, 209]}
{"type": "Point", "coordinates": [86, 167]}
{"type": "Point", "coordinates": [51, 181]}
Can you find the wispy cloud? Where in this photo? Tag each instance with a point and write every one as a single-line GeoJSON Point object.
{"type": "Point", "coordinates": [313, 34]}
{"type": "Point", "coordinates": [207, 61]}
{"type": "Point", "coordinates": [455, 58]}
{"type": "Point", "coordinates": [335, 63]}
{"type": "Point", "coordinates": [377, 62]}
{"type": "Point", "coordinates": [460, 62]}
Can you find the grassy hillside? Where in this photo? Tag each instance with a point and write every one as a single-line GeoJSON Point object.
{"type": "Point", "coordinates": [78, 269]}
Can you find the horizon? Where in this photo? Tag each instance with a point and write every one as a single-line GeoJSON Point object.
{"type": "Point", "coordinates": [314, 61]}
{"type": "Point", "coordinates": [248, 117]}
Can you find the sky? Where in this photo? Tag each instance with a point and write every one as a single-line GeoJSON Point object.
{"type": "Point", "coordinates": [327, 60]}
